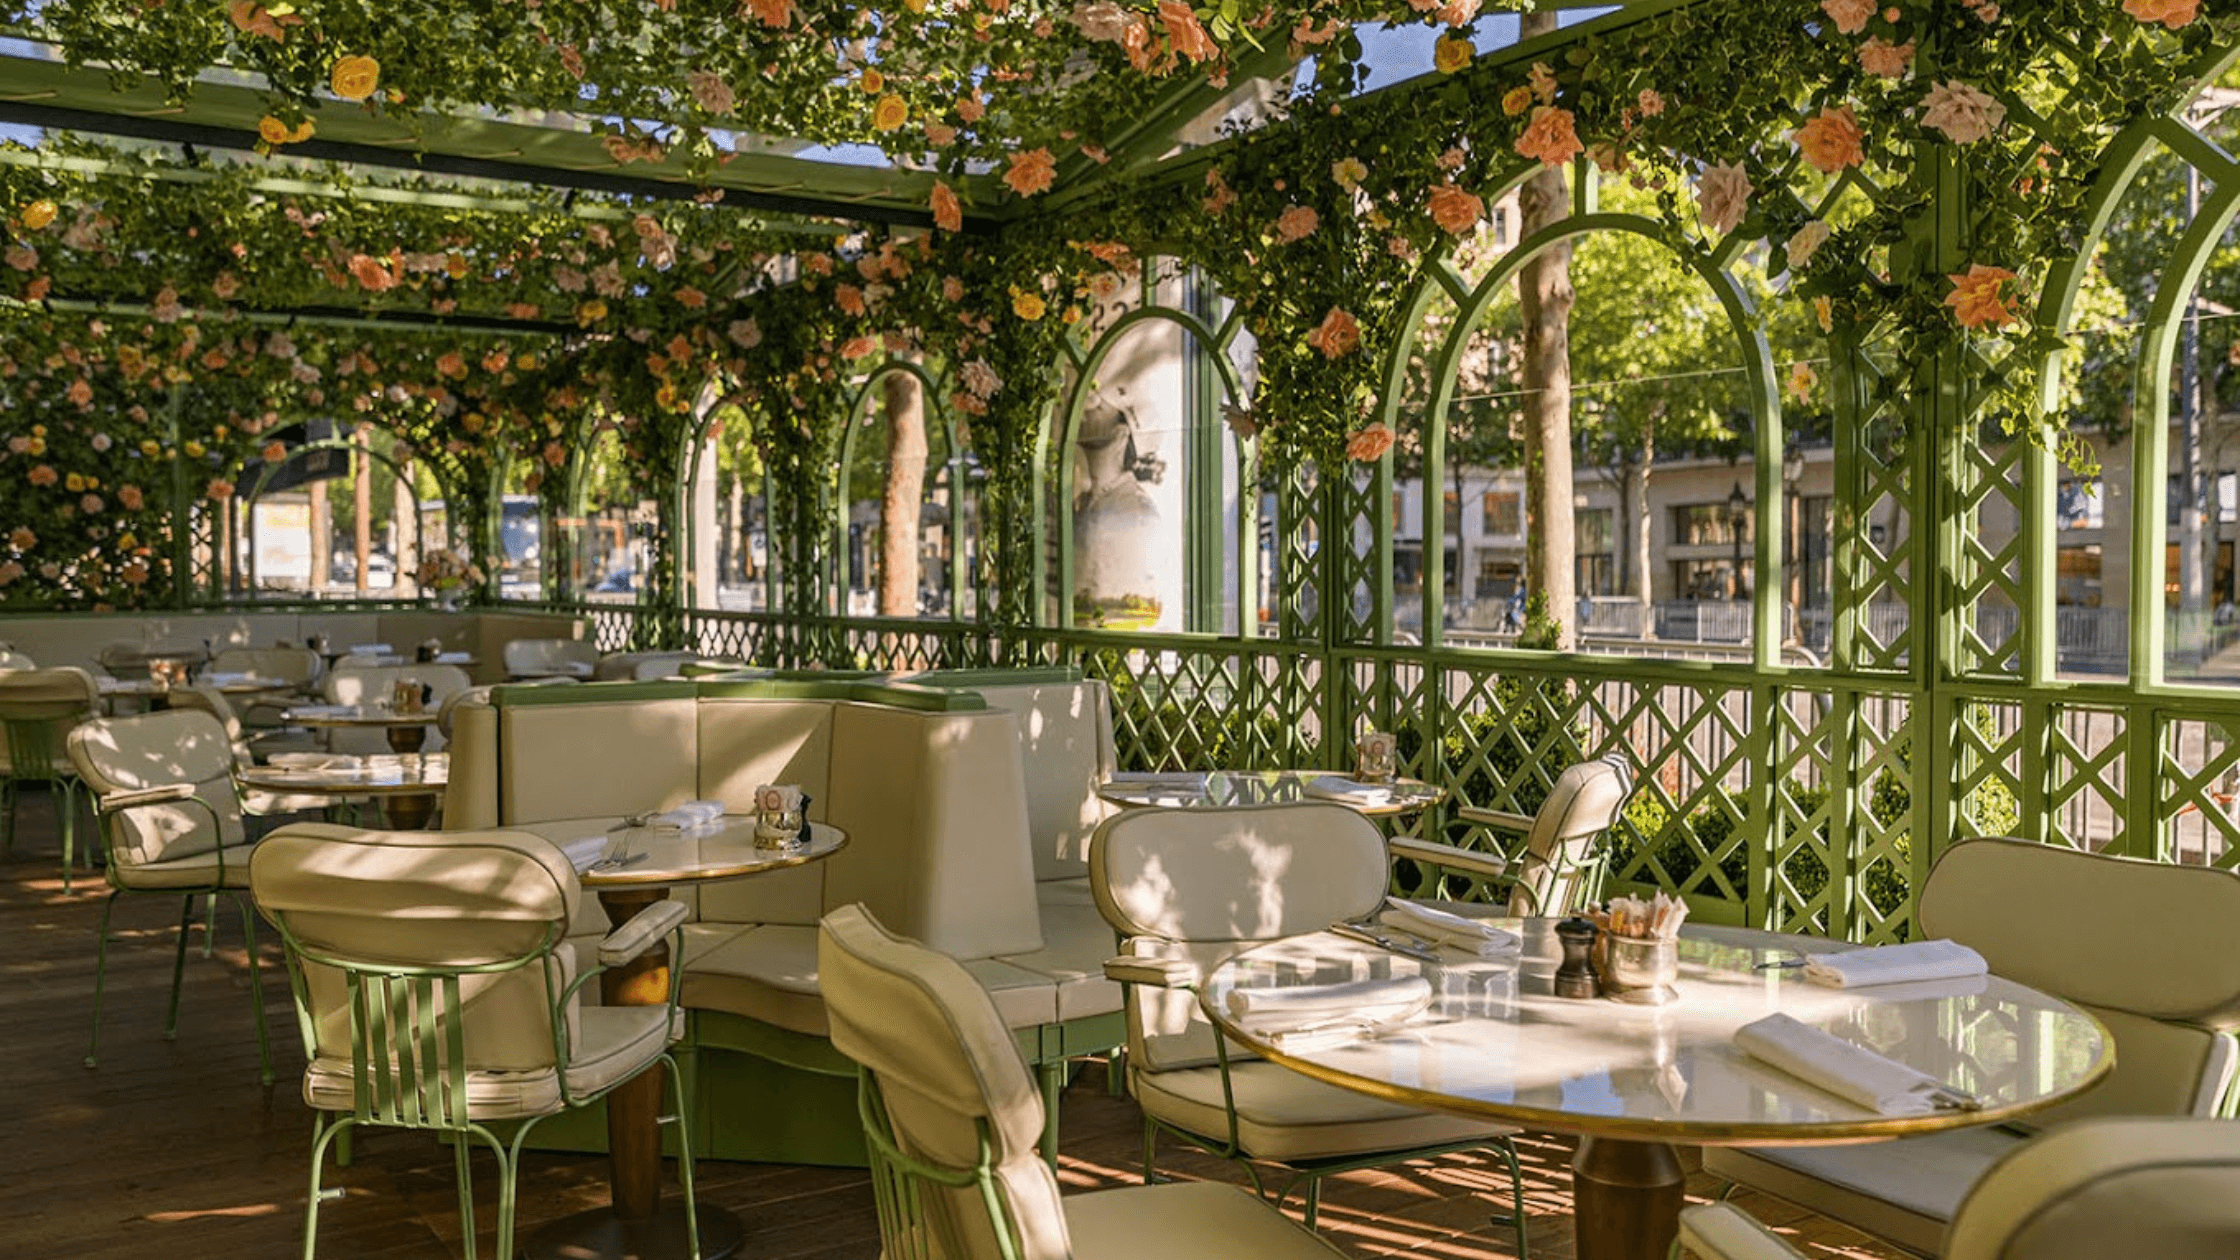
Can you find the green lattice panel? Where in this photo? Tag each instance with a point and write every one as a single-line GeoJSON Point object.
{"type": "Point", "coordinates": [1807, 887]}
{"type": "Point", "coordinates": [1187, 710]}
{"type": "Point", "coordinates": [1297, 586]}
{"type": "Point", "coordinates": [1877, 836]}
{"type": "Point", "coordinates": [2089, 779]}
{"type": "Point", "coordinates": [1986, 769]}
{"type": "Point", "coordinates": [1987, 587]}
{"type": "Point", "coordinates": [1875, 527]}
{"type": "Point", "coordinates": [2200, 785]}
{"type": "Point", "coordinates": [1361, 507]}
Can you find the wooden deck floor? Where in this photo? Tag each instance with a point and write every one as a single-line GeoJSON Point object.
{"type": "Point", "coordinates": [172, 1148]}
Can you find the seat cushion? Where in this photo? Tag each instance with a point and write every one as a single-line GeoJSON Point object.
{"type": "Point", "coordinates": [1282, 1115]}
{"type": "Point", "coordinates": [769, 972]}
{"type": "Point", "coordinates": [198, 870]}
{"type": "Point", "coordinates": [1202, 1220]}
{"type": "Point", "coordinates": [1075, 942]}
{"type": "Point", "coordinates": [1905, 1191]}
{"type": "Point", "coordinates": [614, 1043]}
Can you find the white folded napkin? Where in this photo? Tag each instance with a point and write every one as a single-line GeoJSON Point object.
{"type": "Point", "coordinates": [1331, 787]}
{"type": "Point", "coordinates": [587, 851]}
{"type": "Point", "coordinates": [371, 649]}
{"type": "Point", "coordinates": [322, 710]}
{"type": "Point", "coordinates": [315, 761]}
{"type": "Point", "coordinates": [1318, 1015]}
{"type": "Point", "coordinates": [1472, 936]}
{"type": "Point", "coordinates": [1853, 1073]}
{"type": "Point", "coordinates": [1160, 780]}
{"type": "Point", "coordinates": [452, 658]}
{"type": "Point", "coordinates": [228, 679]}
{"type": "Point", "coordinates": [690, 816]}
{"type": "Point", "coordinates": [1894, 964]}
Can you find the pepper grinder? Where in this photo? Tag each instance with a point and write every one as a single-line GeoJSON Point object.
{"type": "Point", "coordinates": [1575, 977]}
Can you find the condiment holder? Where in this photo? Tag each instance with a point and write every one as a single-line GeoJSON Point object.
{"type": "Point", "coordinates": [1376, 757]}
{"type": "Point", "coordinates": [1637, 953]}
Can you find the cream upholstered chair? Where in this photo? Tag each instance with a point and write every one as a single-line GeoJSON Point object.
{"type": "Point", "coordinates": [12, 659]}
{"type": "Point", "coordinates": [1187, 888]}
{"type": "Point", "coordinates": [375, 684]}
{"type": "Point", "coordinates": [436, 990]}
{"type": "Point", "coordinates": [257, 801]}
{"type": "Point", "coordinates": [952, 1116]}
{"type": "Point", "coordinates": [38, 707]}
{"type": "Point", "coordinates": [2150, 949]}
{"type": "Point", "coordinates": [549, 658]}
{"type": "Point", "coordinates": [1561, 863]}
{"type": "Point", "coordinates": [2166, 1189]}
{"type": "Point", "coordinates": [299, 667]}
{"type": "Point", "coordinates": [171, 826]}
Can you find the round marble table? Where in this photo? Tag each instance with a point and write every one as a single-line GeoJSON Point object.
{"type": "Point", "coordinates": [406, 784]}
{"type": "Point", "coordinates": [640, 867]}
{"type": "Point", "coordinates": [407, 732]}
{"type": "Point", "coordinates": [1262, 787]}
{"type": "Point", "coordinates": [1633, 1081]}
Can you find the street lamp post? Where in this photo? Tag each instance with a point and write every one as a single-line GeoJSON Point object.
{"type": "Point", "coordinates": [1738, 507]}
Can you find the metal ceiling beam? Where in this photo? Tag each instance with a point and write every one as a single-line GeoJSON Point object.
{"type": "Point", "coordinates": [318, 316]}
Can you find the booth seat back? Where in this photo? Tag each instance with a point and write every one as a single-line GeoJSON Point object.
{"type": "Point", "coordinates": [296, 665]}
{"type": "Point", "coordinates": [1066, 746]}
{"type": "Point", "coordinates": [438, 900]}
{"type": "Point", "coordinates": [155, 750]}
{"type": "Point", "coordinates": [550, 656]}
{"type": "Point", "coordinates": [2152, 949]}
{"type": "Point", "coordinates": [590, 751]}
{"type": "Point", "coordinates": [747, 740]}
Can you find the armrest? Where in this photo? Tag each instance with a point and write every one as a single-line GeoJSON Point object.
{"type": "Point", "coordinates": [1497, 818]}
{"type": "Point", "coordinates": [1721, 1231]}
{"type": "Point", "coordinates": [166, 794]}
{"type": "Point", "coordinates": [1468, 861]}
{"type": "Point", "coordinates": [1160, 973]}
{"type": "Point", "coordinates": [643, 930]}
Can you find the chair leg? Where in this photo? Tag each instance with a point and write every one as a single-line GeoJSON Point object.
{"type": "Point", "coordinates": [684, 1156]}
{"type": "Point", "coordinates": [1508, 1151]}
{"type": "Point", "coordinates": [323, 1134]}
{"type": "Point", "coordinates": [1053, 1084]}
{"type": "Point", "coordinates": [1150, 1149]}
{"type": "Point", "coordinates": [1115, 1072]}
{"type": "Point", "coordinates": [1313, 1200]}
{"type": "Point", "coordinates": [66, 804]}
{"type": "Point", "coordinates": [8, 823]}
{"type": "Point", "coordinates": [178, 967]}
{"type": "Point", "coordinates": [100, 975]}
{"type": "Point", "coordinates": [256, 985]}
{"type": "Point", "coordinates": [209, 924]}
{"type": "Point", "coordinates": [462, 1155]}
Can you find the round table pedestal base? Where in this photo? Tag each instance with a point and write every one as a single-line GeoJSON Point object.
{"type": "Point", "coordinates": [1627, 1198]}
{"type": "Point", "coordinates": [601, 1235]}
{"type": "Point", "coordinates": [409, 813]}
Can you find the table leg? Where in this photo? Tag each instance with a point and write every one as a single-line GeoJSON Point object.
{"type": "Point", "coordinates": [1627, 1198]}
{"type": "Point", "coordinates": [409, 813]}
{"type": "Point", "coordinates": [639, 1225]}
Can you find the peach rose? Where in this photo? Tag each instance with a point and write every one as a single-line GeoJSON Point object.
{"type": "Point", "coordinates": [1219, 196]}
{"type": "Point", "coordinates": [1189, 38]}
{"type": "Point", "coordinates": [1831, 140]}
{"type": "Point", "coordinates": [1976, 300]}
{"type": "Point", "coordinates": [1550, 137]}
{"type": "Point", "coordinates": [711, 92]}
{"type": "Point", "coordinates": [1850, 16]}
{"type": "Point", "coordinates": [1031, 172]}
{"type": "Point", "coordinates": [1296, 223]}
{"type": "Point", "coordinates": [1807, 242]}
{"type": "Point", "coordinates": [859, 347]}
{"type": "Point", "coordinates": [1337, 336]}
{"type": "Point", "coordinates": [371, 275]}
{"type": "Point", "coordinates": [1369, 443]}
{"type": "Point", "coordinates": [130, 497]}
{"type": "Point", "coordinates": [22, 539]}
{"type": "Point", "coordinates": [355, 78]}
{"type": "Point", "coordinates": [1454, 210]}
{"type": "Point", "coordinates": [1963, 112]}
{"type": "Point", "coordinates": [43, 475]}
{"type": "Point", "coordinates": [1885, 60]}
{"type": "Point", "coordinates": [948, 212]}
{"type": "Point", "coordinates": [776, 14]}
{"type": "Point", "coordinates": [2171, 13]}
{"type": "Point", "coordinates": [1723, 197]}
{"type": "Point", "coordinates": [1824, 310]}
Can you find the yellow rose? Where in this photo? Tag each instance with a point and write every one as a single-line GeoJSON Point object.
{"type": "Point", "coordinates": [1516, 101]}
{"type": "Point", "coordinates": [889, 113]}
{"type": "Point", "coordinates": [1028, 306]}
{"type": "Point", "coordinates": [37, 215]}
{"type": "Point", "coordinates": [455, 266]}
{"type": "Point", "coordinates": [37, 446]}
{"type": "Point", "coordinates": [1452, 53]}
{"type": "Point", "coordinates": [196, 450]}
{"type": "Point", "coordinates": [355, 78]}
{"type": "Point", "coordinates": [74, 483]}
{"type": "Point", "coordinates": [271, 130]}
{"type": "Point", "coordinates": [151, 448]}
{"type": "Point", "coordinates": [873, 82]}
{"type": "Point", "coordinates": [591, 312]}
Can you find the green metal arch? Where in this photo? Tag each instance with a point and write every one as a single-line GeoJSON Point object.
{"type": "Point", "coordinates": [1067, 430]}
{"type": "Point", "coordinates": [1741, 314]}
{"type": "Point", "coordinates": [264, 477]}
{"type": "Point", "coordinates": [859, 405]}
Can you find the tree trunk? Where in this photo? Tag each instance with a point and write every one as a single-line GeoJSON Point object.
{"type": "Point", "coordinates": [1644, 531]}
{"type": "Point", "coordinates": [1544, 298]}
{"type": "Point", "coordinates": [362, 488]}
{"type": "Point", "coordinates": [906, 480]}
{"type": "Point", "coordinates": [322, 537]}
{"type": "Point", "coordinates": [406, 523]}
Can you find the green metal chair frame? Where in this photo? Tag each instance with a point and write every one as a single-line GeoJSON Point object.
{"type": "Point", "coordinates": [35, 745]}
{"type": "Point", "coordinates": [898, 1180]}
{"type": "Point", "coordinates": [110, 808]}
{"type": "Point", "coordinates": [1583, 873]}
{"type": "Point", "coordinates": [408, 1070]}
{"type": "Point", "coordinates": [1310, 1172]}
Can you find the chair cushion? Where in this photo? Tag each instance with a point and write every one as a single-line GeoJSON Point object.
{"type": "Point", "coordinates": [614, 1044]}
{"type": "Point", "coordinates": [1202, 1220]}
{"type": "Point", "coordinates": [769, 973]}
{"type": "Point", "coordinates": [1075, 943]}
{"type": "Point", "coordinates": [1905, 1191]}
{"type": "Point", "coordinates": [2160, 1188]}
{"type": "Point", "coordinates": [197, 870]}
{"type": "Point", "coordinates": [1282, 1115]}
